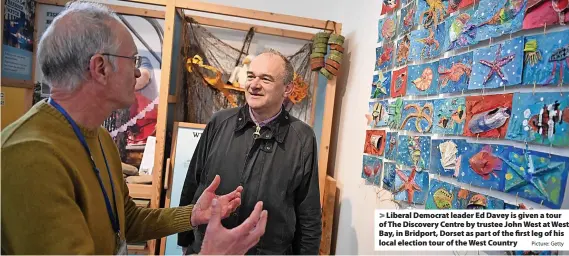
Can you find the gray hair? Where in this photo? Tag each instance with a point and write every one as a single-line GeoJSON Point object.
{"type": "Point", "coordinates": [288, 74]}
{"type": "Point", "coordinates": [66, 47]}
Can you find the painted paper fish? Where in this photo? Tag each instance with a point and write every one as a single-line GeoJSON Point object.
{"type": "Point", "coordinates": [477, 202]}
{"type": "Point", "coordinates": [485, 163]}
{"type": "Point", "coordinates": [489, 120]}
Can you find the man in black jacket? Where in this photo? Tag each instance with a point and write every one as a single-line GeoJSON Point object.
{"type": "Point", "coordinates": [268, 152]}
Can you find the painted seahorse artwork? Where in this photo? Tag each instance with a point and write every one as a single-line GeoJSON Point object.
{"type": "Point", "coordinates": [411, 186]}
{"type": "Point", "coordinates": [387, 28]}
{"type": "Point", "coordinates": [395, 111]}
{"type": "Point", "coordinates": [414, 151]}
{"type": "Point", "coordinates": [481, 165]}
{"type": "Point", "coordinates": [546, 59]}
{"type": "Point", "coordinates": [540, 118]}
{"type": "Point", "coordinates": [423, 79]}
{"type": "Point", "coordinates": [454, 73]}
{"type": "Point", "coordinates": [498, 65]}
{"type": "Point", "coordinates": [402, 53]}
{"type": "Point", "coordinates": [440, 195]}
{"type": "Point", "coordinates": [389, 170]}
{"type": "Point", "coordinates": [470, 200]}
{"type": "Point", "coordinates": [407, 18]}
{"type": "Point", "coordinates": [417, 116]}
{"type": "Point", "coordinates": [399, 82]}
{"type": "Point", "coordinates": [391, 146]}
{"type": "Point", "coordinates": [389, 6]}
{"type": "Point", "coordinates": [536, 176]}
{"type": "Point", "coordinates": [427, 43]}
{"type": "Point", "coordinates": [374, 142]}
{"type": "Point", "coordinates": [449, 117]}
{"type": "Point", "coordinates": [372, 169]}
{"type": "Point", "coordinates": [377, 114]}
{"type": "Point", "coordinates": [494, 18]}
{"type": "Point", "coordinates": [540, 13]}
{"type": "Point", "coordinates": [461, 31]}
{"type": "Point", "coordinates": [384, 56]}
{"type": "Point", "coordinates": [446, 156]}
{"type": "Point", "coordinates": [430, 13]}
{"type": "Point", "coordinates": [381, 85]}
{"type": "Point", "coordinates": [488, 116]}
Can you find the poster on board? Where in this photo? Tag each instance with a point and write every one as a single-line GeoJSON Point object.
{"type": "Point", "coordinates": [18, 38]}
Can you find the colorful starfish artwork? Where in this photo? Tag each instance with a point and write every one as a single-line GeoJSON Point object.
{"type": "Point", "coordinates": [497, 65]}
{"type": "Point", "coordinates": [412, 184]}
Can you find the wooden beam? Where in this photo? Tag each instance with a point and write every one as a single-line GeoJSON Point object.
{"type": "Point", "coordinates": [328, 215]}
{"type": "Point", "coordinates": [254, 14]}
{"type": "Point", "coordinates": [245, 27]}
{"type": "Point", "coordinates": [141, 191]}
{"type": "Point", "coordinates": [326, 134]}
{"type": "Point", "coordinates": [151, 2]}
{"type": "Point", "coordinates": [17, 83]}
{"type": "Point", "coordinates": [136, 11]}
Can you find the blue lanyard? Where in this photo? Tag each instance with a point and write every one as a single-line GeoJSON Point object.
{"type": "Point", "coordinates": [114, 218]}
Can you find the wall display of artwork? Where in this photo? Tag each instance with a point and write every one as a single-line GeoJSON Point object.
{"type": "Point", "coordinates": [372, 169]}
{"type": "Point", "coordinates": [461, 47]}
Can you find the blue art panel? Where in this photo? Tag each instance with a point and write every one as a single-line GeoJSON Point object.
{"type": "Point", "coordinates": [377, 115]}
{"type": "Point", "coordinates": [482, 166]}
{"type": "Point", "coordinates": [440, 195]}
{"type": "Point", "coordinates": [384, 55]}
{"type": "Point", "coordinates": [391, 146]}
{"type": "Point", "coordinates": [389, 176]}
{"type": "Point", "coordinates": [414, 151]}
{"type": "Point", "coordinates": [466, 199]}
{"type": "Point", "coordinates": [407, 19]}
{"type": "Point", "coordinates": [427, 43]}
{"type": "Point", "coordinates": [417, 116]}
{"type": "Point", "coordinates": [454, 73]}
{"type": "Point", "coordinates": [547, 58]}
{"type": "Point", "coordinates": [402, 52]}
{"type": "Point", "coordinates": [411, 186]}
{"type": "Point", "coordinates": [449, 116]}
{"type": "Point", "coordinates": [371, 169]}
{"type": "Point", "coordinates": [498, 65]}
{"type": "Point", "coordinates": [427, 16]}
{"type": "Point", "coordinates": [381, 85]}
{"type": "Point", "coordinates": [423, 79]}
{"type": "Point", "coordinates": [536, 176]}
{"type": "Point", "coordinates": [494, 18]}
{"type": "Point", "coordinates": [540, 118]}
{"type": "Point", "coordinates": [461, 31]}
{"type": "Point", "coordinates": [387, 28]}
{"type": "Point", "coordinates": [446, 156]}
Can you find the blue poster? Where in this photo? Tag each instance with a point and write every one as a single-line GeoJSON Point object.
{"type": "Point", "coordinates": [18, 40]}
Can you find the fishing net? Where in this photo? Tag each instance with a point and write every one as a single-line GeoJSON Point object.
{"type": "Point", "coordinates": [211, 62]}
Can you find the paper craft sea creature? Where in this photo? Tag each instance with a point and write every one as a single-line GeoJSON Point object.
{"type": "Point", "coordinates": [395, 112]}
{"type": "Point", "coordinates": [547, 59]}
{"type": "Point", "coordinates": [384, 56]}
{"type": "Point", "coordinates": [482, 167]}
{"type": "Point", "coordinates": [387, 28]}
{"type": "Point", "coordinates": [465, 199]}
{"type": "Point", "coordinates": [406, 18]}
{"type": "Point", "coordinates": [454, 73]}
{"type": "Point", "coordinates": [536, 176]}
{"type": "Point", "coordinates": [410, 186]}
{"type": "Point", "coordinates": [417, 116]}
{"type": "Point", "coordinates": [427, 43]}
{"type": "Point", "coordinates": [402, 51]}
{"type": "Point", "coordinates": [540, 118]}
{"type": "Point", "coordinates": [440, 195]}
{"type": "Point", "coordinates": [399, 82]}
{"type": "Point", "coordinates": [542, 13]}
{"type": "Point", "coordinates": [414, 151]}
{"type": "Point", "coordinates": [494, 18]}
{"type": "Point", "coordinates": [391, 146]}
{"type": "Point", "coordinates": [498, 65]}
{"type": "Point", "coordinates": [446, 156]}
{"type": "Point", "coordinates": [449, 116]}
{"type": "Point", "coordinates": [377, 115]}
{"type": "Point", "coordinates": [381, 85]}
{"type": "Point", "coordinates": [371, 170]}
{"type": "Point", "coordinates": [389, 176]}
{"type": "Point", "coordinates": [389, 6]}
{"type": "Point", "coordinates": [375, 142]}
{"type": "Point", "coordinates": [423, 79]}
{"type": "Point", "coordinates": [215, 80]}
{"type": "Point", "coordinates": [487, 116]}
{"type": "Point", "coordinates": [431, 12]}
{"type": "Point", "coordinates": [461, 31]}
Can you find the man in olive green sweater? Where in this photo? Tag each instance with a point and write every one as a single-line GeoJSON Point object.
{"type": "Point", "coordinates": [62, 186]}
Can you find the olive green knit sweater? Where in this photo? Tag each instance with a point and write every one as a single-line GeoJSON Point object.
{"type": "Point", "coordinates": [52, 202]}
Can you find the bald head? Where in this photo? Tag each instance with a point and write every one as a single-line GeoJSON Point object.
{"type": "Point", "coordinates": [287, 68]}
{"type": "Point", "coordinates": [81, 30]}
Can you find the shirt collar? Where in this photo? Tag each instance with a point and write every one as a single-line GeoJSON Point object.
{"type": "Point", "coordinates": [277, 127]}
{"type": "Point", "coordinates": [263, 123]}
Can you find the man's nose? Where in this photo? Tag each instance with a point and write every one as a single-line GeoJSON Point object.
{"type": "Point", "coordinates": [136, 72]}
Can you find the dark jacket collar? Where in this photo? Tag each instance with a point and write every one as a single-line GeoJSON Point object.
{"type": "Point", "coordinates": [277, 128]}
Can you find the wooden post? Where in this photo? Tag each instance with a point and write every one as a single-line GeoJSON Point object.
{"type": "Point", "coordinates": [328, 215]}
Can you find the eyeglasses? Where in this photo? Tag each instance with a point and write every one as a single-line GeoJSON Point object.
{"type": "Point", "coordinates": [135, 58]}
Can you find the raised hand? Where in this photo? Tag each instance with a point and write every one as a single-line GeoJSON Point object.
{"type": "Point", "coordinates": [237, 241]}
{"type": "Point", "coordinates": [202, 211]}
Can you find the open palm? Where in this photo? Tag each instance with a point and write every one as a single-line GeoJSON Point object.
{"type": "Point", "coordinates": [203, 207]}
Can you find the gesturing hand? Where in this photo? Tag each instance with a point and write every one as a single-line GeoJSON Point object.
{"type": "Point", "coordinates": [228, 203]}
{"type": "Point", "coordinates": [221, 241]}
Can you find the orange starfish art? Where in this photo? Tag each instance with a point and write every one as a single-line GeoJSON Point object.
{"type": "Point", "coordinates": [409, 184]}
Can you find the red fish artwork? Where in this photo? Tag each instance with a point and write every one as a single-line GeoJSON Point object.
{"type": "Point", "coordinates": [369, 171]}
{"type": "Point", "coordinates": [485, 163]}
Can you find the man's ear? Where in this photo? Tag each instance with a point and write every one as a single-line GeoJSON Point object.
{"type": "Point", "coordinates": [288, 90]}
{"type": "Point", "coordinates": [97, 69]}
